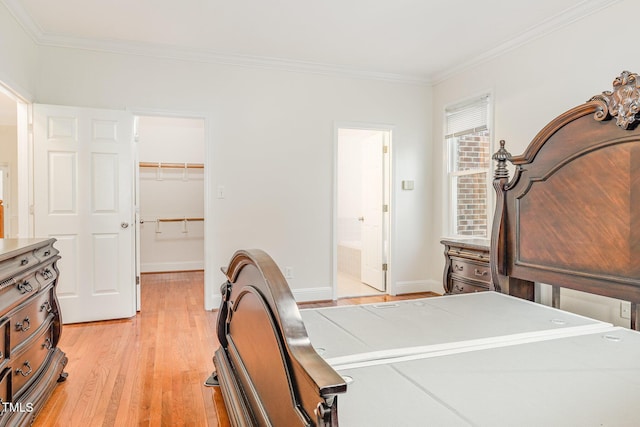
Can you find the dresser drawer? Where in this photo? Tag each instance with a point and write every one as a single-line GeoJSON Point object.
{"type": "Point", "coordinates": [17, 289]}
{"type": "Point", "coordinates": [26, 364]}
{"type": "Point", "coordinates": [46, 275]}
{"type": "Point", "coordinates": [45, 252]}
{"type": "Point", "coordinates": [26, 320]}
{"type": "Point", "coordinates": [471, 270]}
{"type": "Point", "coordinates": [17, 264]}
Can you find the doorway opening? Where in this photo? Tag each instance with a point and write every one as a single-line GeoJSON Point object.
{"type": "Point", "coordinates": [5, 201]}
{"type": "Point", "coordinates": [13, 147]}
{"type": "Point", "coordinates": [170, 195]}
{"type": "Point", "coordinates": [361, 243]}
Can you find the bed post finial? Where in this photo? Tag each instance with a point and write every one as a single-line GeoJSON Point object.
{"type": "Point", "coordinates": [501, 156]}
{"type": "Point", "coordinates": [623, 102]}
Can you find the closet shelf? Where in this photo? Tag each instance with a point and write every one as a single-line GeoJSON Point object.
{"type": "Point", "coordinates": [183, 220]}
{"type": "Point", "coordinates": [161, 165]}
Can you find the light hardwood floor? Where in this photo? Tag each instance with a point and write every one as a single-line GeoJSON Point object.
{"type": "Point", "coordinates": [148, 370]}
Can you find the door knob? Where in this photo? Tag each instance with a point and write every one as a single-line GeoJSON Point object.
{"type": "Point", "coordinates": [124, 225]}
{"type": "Point", "coordinates": [361, 218]}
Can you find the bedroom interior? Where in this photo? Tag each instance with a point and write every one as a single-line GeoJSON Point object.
{"type": "Point", "coordinates": [269, 127]}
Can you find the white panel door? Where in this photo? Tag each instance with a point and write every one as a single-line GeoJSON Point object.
{"type": "Point", "coordinates": [372, 204]}
{"type": "Point", "coordinates": [83, 196]}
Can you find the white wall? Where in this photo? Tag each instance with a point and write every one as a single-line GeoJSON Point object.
{"type": "Point", "coordinates": [18, 56]}
{"type": "Point", "coordinates": [271, 143]}
{"type": "Point", "coordinates": [532, 85]}
{"type": "Point", "coordinates": [171, 193]}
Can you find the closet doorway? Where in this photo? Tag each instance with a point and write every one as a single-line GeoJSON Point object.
{"type": "Point", "coordinates": [170, 195]}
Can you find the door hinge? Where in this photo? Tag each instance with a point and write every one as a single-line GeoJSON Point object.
{"type": "Point", "coordinates": [137, 280]}
{"type": "Point", "coordinates": [385, 266]}
{"type": "Point", "coordinates": [385, 149]}
{"type": "Point", "coordinates": [385, 208]}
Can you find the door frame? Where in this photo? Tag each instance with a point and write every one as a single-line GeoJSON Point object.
{"type": "Point", "coordinates": [6, 197]}
{"type": "Point", "coordinates": [211, 296]}
{"type": "Point", "coordinates": [388, 196]}
{"type": "Point", "coordinates": [24, 171]}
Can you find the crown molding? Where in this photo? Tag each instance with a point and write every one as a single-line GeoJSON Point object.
{"type": "Point", "coordinates": [548, 26]}
{"type": "Point", "coordinates": [564, 18]}
{"type": "Point", "coordinates": [197, 55]}
{"type": "Point", "coordinates": [206, 56]}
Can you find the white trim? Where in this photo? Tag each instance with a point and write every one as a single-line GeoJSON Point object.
{"type": "Point", "coordinates": [159, 267]}
{"type": "Point", "coordinates": [24, 173]}
{"type": "Point", "coordinates": [562, 19]}
{"type": "Point", "coordinates": [313, 294]}
{"type": "Point", "coordinates": [41, 38]}
{"type": "Point", "coordinates": [413, 286]}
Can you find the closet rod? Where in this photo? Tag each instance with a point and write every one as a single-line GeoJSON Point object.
{"type": "Point", "coordinates": [172, 220]}
{"type": "Point", "coordinates": [171, 165]}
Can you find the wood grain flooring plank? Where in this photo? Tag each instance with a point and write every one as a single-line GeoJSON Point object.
{"type": "Point", "coordinates": [149, 370]}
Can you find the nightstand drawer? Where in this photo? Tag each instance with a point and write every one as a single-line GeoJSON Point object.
{"type": "Point", "coordinates": [471, 270]}
{"type": "Point", "coordinates": [465, 287]}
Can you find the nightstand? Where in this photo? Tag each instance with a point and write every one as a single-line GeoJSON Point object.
{"type": "Point", "coordinates": [467, 266]}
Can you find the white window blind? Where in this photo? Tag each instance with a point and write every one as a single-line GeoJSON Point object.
{"type": "Point", "coordinates": [470, 117]}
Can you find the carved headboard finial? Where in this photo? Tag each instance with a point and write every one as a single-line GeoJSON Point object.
{"type": "Point", "coordinates": [501, 156]}
{"type": "Point", "coordinates": [623, 102]}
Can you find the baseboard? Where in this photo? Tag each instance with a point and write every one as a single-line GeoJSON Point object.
{"type": "Point", "coordinates": [410, 287]}
{"type": "Point", "coordinates": [313, 294]}
{"type": "Point", "coordinates": [163, 267]}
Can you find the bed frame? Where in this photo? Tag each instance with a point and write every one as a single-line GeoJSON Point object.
{"type": "Point", "coordinates": [267, 369]}
{"type": "Point", "coordinates": [570, 217]}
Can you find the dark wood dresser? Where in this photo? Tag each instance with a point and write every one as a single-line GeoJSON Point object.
{"type": "Point", "coordinates": [466, 266]}
{"type": "Point", "coordinates": [31, 364]}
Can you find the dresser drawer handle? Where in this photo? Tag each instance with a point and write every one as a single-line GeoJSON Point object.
{"type": "Point", "coordinates": [47, 343]}
{"type": "Point", "coordinates": [24, 261]}
{"type": "Point", "coordinates": [23, 326]}
{"type": "Point", "coordinates": [457, 267]}
{"type": "Point", "coordinates": [23, 373]}
{"type": "Point", "coordinates": [46, 306]}
{"type": "Point", "coordinates": [25, 287]}
{"type": "Point", "coordinates": [47, 274]}
{"type": "Point", "coordinates": [480, 273]}
{"type": "Point", "coordinates": [459, 288]}
{"type": "Point", "coordinates": [47, 253]}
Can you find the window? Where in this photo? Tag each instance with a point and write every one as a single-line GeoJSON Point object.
{"type": "Point", "coordinates": [468, 143]}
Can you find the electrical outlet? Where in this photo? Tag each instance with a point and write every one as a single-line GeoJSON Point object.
{"type": "Point", "coordinates": [288, 272]}
{"type": "Point", "coordinates": [625, 310]}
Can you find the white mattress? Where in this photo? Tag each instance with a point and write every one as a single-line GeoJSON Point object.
{"type": "Point", "coordinates": [481, 359]}
{"type": "Point", "coordinates": [352, 334]}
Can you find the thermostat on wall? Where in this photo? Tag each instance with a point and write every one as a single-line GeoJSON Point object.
{"type": "Point", "coordinates": [407, 185]}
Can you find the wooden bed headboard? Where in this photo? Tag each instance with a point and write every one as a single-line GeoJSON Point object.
{"type": "Point", "coordinates": [570, 216]}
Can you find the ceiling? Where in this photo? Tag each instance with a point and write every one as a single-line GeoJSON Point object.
{"type": "Point", "coordinates": [414, 40]}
